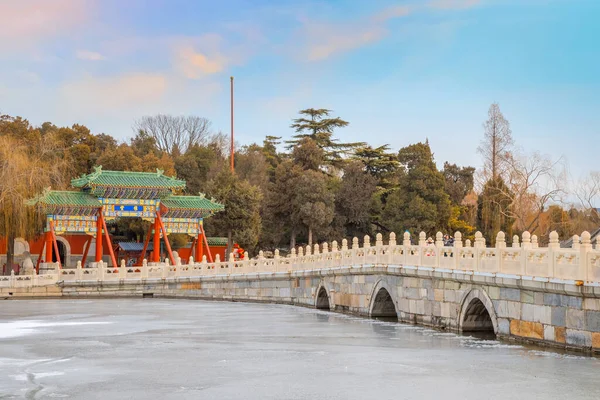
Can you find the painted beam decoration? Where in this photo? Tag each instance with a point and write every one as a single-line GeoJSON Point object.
{"type": "Point", "coordinates": [190, 226]}
{"type": "Point", "coordinates": [72, 224]}
{"type": "Point", "coordinates": [132, 208]}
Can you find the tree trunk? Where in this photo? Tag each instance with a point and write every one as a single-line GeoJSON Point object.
{"type": "Point", "coordinates": [10, 250]}
{"type": "Point", "coordinates": [310, 237]}
{"type": "Point", "coordinates": [494, 155]}
{"type": "Point", "coordinates": [293, 239]}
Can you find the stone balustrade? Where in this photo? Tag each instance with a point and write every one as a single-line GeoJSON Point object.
{"type": "Point", "coordinates": [522, 258]}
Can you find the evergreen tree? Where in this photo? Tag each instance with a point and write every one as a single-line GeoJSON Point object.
{"type": "Point", "coordinates": [493, 210]}
{"type": "Point", "coordinates": [316, 125]}
{"type": "Point", "coordinates": [420, 202]}
{"type": "Point", "coordinates": [459, 181]}
{"type": "Point", "coordinates": [308, 155]}
{"type": "Point", "coordinates": [353, 203]}
{"type": "Point", "coordinates": [379, 163]}
{"type": "Point", "coordinates": [241, 217]}
{"type": "Point", "coordinates": [313, 203]}
{"type": "Point", "coordinates": [278, 221]}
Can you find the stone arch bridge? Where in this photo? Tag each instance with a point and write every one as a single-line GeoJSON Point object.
{"type": "Point", "coordinates": [522, 292]}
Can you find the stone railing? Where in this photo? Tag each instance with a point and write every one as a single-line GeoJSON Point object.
{"type": "Point", "coordinates": [523, 258]}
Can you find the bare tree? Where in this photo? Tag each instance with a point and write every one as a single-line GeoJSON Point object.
{"type": "Point", "coordinates": [175, 132]}
{"type": "Point", "coordinates": [534, 182]}
{"type": "Point", "coordinates": [587, 190]}
{"type": "Point", "coordinates": [496, 146]}
{"type": "Point", "coordinates": [26, 168]}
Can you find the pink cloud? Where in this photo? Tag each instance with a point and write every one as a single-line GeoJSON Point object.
{"type": "Point", "coordinates": [194, 64]}
{"type": "Point", "coordinates": [324, 40]}
{"type": "Point", "coordinates": [26, 22]}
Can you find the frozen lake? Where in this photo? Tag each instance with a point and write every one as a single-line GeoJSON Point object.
{"type": "Point", "coordinates": [186, 349]}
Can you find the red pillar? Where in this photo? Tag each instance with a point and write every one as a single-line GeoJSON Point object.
{"type": "Point", "coordinates": [109, 244]}
{"type": "Point", "coordinates": [203, 234]}
{"type": "Point", "coordinates": [85, 251]}
{"type": "Point", "coordinates": [166, 238]}
{"type": "Point", "coordinates": [99, 224]}
{"type": "Point", "coordinates": [48, 247]}
{"type": "Point", "coordinates": [146, 241]}
{"type": "Point", "coordinates": [55, 244]}
{"type": "Point", "coordinates": [156, 250]}
{"type": "Point", "coordinates": [199, 250]}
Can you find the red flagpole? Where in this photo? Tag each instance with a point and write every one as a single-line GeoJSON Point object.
{"type": "Point", "coordinates": [231, 124]}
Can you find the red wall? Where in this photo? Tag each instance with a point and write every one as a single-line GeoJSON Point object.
{"type": "Point", "coordinates": [184, 253]}
{"type": "Point", "coordinates": [77, 243]}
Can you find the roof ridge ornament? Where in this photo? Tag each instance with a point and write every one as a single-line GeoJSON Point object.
{"type": "Point", "coordinates": [159, 172]}
{"type": "Point", "coordinates": [97, 172]}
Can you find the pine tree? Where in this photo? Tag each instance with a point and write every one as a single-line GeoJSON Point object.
{"type": "Point", "coordinates": [316, 125]}
{"type": "Point", "coordinates": [420, 203]}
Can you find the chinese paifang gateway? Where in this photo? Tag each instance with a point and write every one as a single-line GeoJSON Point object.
{"type": "Point", "coordinates": [108, 195]}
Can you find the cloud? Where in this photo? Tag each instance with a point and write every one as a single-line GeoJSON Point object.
{"type": "Point", "coordinates": [453, 4]}
{"type": "Point", "coordinates": [194, 65]}
{"type": "Point", "coordinates": [323, 40]}
{"type": "Point", "coordinates": [89, 55]}
{"type": "Point", "coordinates": [197, 57]}
{"type": "Point", "coordinates": [26, 22]}
{"type": "Point", "coordinates": [92, 94]}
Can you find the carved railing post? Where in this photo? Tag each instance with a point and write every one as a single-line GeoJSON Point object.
{"type": "Point", "coordinates": [576, 245]}
{"type": "Point", "coordinates": [515, 242]}
{"type": "Point", "coordinates": [144, 269]}
{"type": "Point", "coordinates": [458, 240]}
{"type": "Point", "coordinates": [526, 248]}
{"type": "Point", "coordinates": [500, 246]}
{"type": "Point", "coordinates": [122, 270]}
{"type": "Point", "coordinates": [553, 246]}
{"type": "Point", "coordinates": [478, 244]}
{"type": "Point", "coordinates": [422, 244]}
{"type": "Point", "coordinates": [406, 239]}
{"type": "Point", "coordinates": [534, 242]}
{"type": "Point", "coordinates": [392, 239]}
{"type": "Point", "coordinates": [78, 271]}
{"type": "Point", "coordinates": [458, 244]}
{"type": "Point", "coordinates": [586, 246]}
{"type": "Point", "coordinates": [100, 270]}
{"type": "Point", "coordinates": [378, 240]}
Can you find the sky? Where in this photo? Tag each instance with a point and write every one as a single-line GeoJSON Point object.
{"type": "Point", "coordinates": [399, 71]}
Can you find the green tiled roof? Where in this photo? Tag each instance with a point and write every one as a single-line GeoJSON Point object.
{"type": "Point", "coordinates": [217, 241]}
{"type": "Point", "coordinates": [66, 198]}
{"type": "Point", "coordinates": [127, 179]}
{"type": "Point", "coordinates": [191, 203]}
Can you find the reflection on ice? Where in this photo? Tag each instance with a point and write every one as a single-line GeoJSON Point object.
{"type": "Point", "coordinates": [22, 328]}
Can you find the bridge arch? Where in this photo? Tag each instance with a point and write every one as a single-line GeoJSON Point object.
{"type": "Point", "coordinates": [477, 313]}
{"type": "Point", "coordinates": [322, 298]}
{"type": "Point", "coordinates": [383, 303]}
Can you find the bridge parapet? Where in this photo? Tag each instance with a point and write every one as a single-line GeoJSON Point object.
{"type": "Point", "coordinates": [524, 258]}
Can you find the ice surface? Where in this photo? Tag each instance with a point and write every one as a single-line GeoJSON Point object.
{"type": "Point", "coordinates": [187, 349]}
